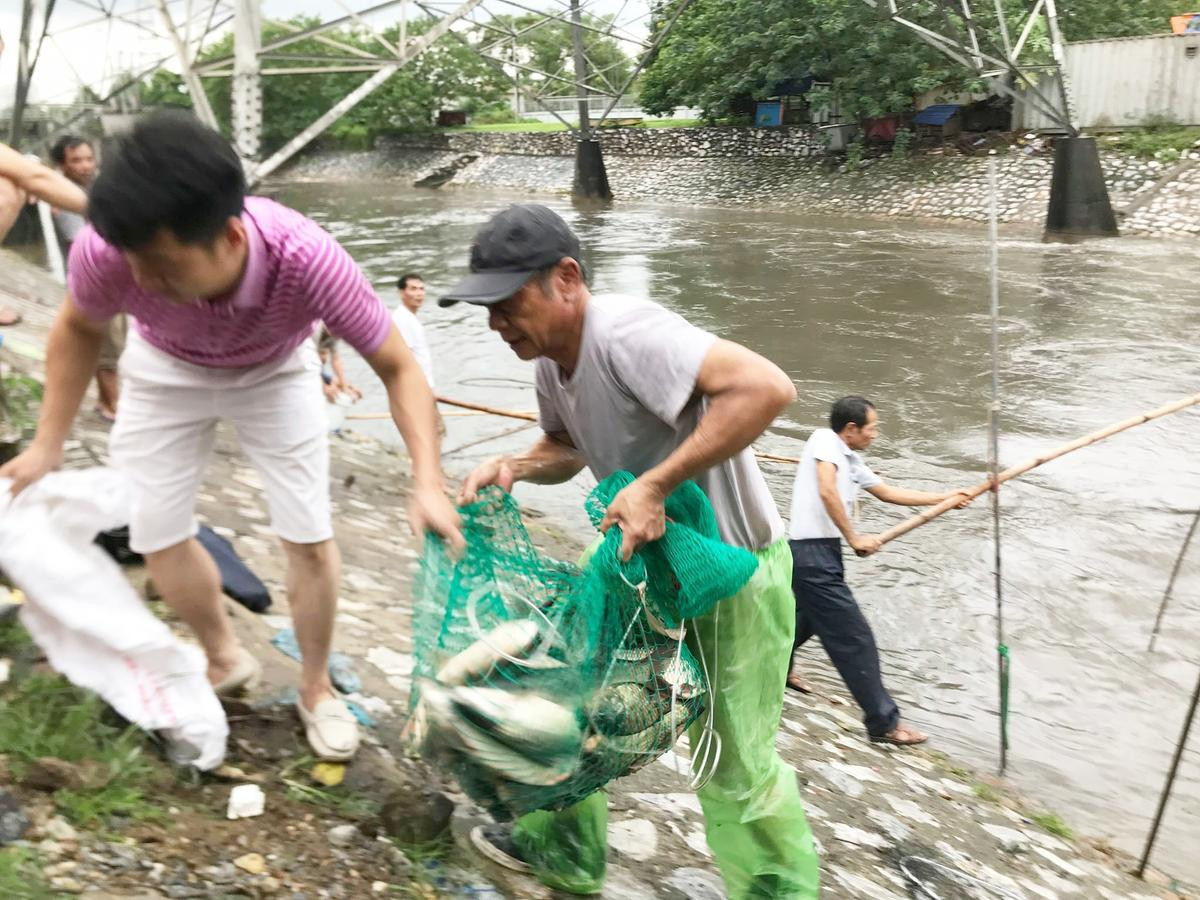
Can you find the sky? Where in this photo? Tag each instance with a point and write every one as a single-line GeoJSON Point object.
{"type": "Point", "coordinates": [86, 48]}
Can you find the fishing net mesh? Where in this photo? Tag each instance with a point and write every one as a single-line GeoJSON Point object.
{"type": "Point", "coordinates": [537, 681]}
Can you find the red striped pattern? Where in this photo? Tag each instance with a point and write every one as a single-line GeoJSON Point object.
{"type": "Point", "coordinates": [296, 275]}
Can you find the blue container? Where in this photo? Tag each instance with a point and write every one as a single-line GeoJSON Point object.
{"type": "Point", "coordinates": [769, 114]}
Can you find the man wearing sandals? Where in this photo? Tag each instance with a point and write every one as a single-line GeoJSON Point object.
{"type": "Point", "coordinates": [624, 384]}
{"type": "Point", "coordinates": [225, 291]}
{"type": "Point", "coordinates": [828, 477]}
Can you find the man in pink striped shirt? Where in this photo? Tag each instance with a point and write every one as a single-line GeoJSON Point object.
{"type": "Point", "coordinates": [225, 291]}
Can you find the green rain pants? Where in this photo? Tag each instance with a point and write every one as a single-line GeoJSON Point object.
{"type": "Point", "coordinates": [752, 810]}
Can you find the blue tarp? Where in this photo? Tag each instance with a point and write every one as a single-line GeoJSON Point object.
{"type": "Point", "coordinates": [938, 114]}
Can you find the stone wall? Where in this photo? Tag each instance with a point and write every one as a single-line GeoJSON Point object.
{"type": "Point", "coordinates": [771, 168]}
{"type": "Point", "coordinates": [1175, 209]}
{"type": "Point", "coordinates": [659, 142]}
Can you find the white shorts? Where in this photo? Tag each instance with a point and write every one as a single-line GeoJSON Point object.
{"type": "Point", "coordinates": [166, 422]}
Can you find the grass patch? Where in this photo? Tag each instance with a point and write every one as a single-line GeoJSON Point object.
{"type": "Point", "coordinates": [1165, 142]}
{"type": "Point", "coordinates": [983, 792]}
{"type": "Point", "coordinates": [426, 860]}
{"type": "Point", "coordinates": [671, 123]}
{"type": "Point", "coordinates": [1053, 824]}
{"type": "Point", "coordinates": [21, 875]}
{"type": "Point", "coordinates": [20, 397]}
{"type": "Point", "coordinates": [337, 800]}
{"type": "Point", "coordinates": [14, 639]}
{"type": "Point", "coordinates": [527, 125]}
{"type": "Point", "coordinates": [44, 715]}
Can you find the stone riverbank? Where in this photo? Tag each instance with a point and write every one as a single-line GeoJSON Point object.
{"type": "Point", "coordinates": [877, 812]}
{"type": "Point", "coordinates": [772, 169]}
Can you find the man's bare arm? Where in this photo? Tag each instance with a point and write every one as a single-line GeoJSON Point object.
{"type": "Point", "coordinates": [72, 351]}
{"type": "Point", "coordinates": [551, 459]}
{"type": "Point", "coordinates": [44, 183]}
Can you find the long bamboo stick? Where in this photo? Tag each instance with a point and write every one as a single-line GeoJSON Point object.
{"type": "Point", "coordinates": [473, 407]}
{"type": "Point", "coordinates": [527, 417]}
{"type": "Point", "coordinates": [771, 457]}
{"type": "Point", "coordinates": [372, 417]}
{"type": "Point", "coordinates": [934, 511]}
{"type": "Point", "coordinates": [479, 407]}
{"type": "Point", "coordinates": [1032, 463]}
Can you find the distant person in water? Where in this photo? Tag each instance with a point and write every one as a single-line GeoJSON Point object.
{"type": "Point", "coordinates": [829, 476]}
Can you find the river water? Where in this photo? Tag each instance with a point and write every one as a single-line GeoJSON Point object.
{"type": "Point", "coordinates": [898, 311]}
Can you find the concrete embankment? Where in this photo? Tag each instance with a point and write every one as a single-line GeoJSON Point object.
{"type": "Point", "coordinates": [772, 169]}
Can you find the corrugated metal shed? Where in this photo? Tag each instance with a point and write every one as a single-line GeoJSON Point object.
{"type": "Point", "coordinates": [1126, 82]}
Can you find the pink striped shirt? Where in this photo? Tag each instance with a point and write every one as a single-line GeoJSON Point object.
{"type": "Point", "coordinates": [296, 275]}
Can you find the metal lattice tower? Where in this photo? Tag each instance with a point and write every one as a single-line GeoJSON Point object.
{"type": "Point", "coordinates": [992, 55]}
{"type": "Point", "coordinates": [176, 32]}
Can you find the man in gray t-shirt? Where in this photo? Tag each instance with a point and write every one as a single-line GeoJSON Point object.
{"type": "Point", "coordinates": [624, 384]}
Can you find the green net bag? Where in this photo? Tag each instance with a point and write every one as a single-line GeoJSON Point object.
{"type": "Point", "coordinates": [537, 682]}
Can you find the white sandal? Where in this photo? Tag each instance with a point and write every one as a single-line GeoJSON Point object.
{"type": "Point", "coordinates": [331, 729]}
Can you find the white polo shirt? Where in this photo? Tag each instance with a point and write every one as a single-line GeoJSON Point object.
{"type": "Point", "coordinates": [809, 518]}
{"type": "Point", "coordinates": [413, 332]}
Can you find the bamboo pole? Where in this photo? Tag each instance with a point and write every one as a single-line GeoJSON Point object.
{"type": "Point", "coordinates": [934, 511]}
{"type": "Point", "coordinates": [1162, 606]}
{"type": "Point", "coordinates": [528, 417]}
{"type": "Point", "coordinates": [1021, 468]}
{"type": "Point", "coordinates": [479, 407]}
{"type": "Point", "coordinates": [474, 408]}
{"type": "Point", "coordinates": [1166, 792]}
{"type": "Point", "coordinates": [374, 417]}
{"type": "Point", "coordinates": [771, 457]}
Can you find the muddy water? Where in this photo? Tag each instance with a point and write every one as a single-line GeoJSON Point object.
{"type": "Point", "coordinates": [898, 311]}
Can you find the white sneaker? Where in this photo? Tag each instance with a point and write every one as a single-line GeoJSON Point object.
{"type": "Point", "coordinates": [331, 729]}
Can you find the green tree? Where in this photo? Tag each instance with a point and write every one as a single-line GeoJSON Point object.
{"type": "Point", "coordinates": [550, 48]}
{"type": "Point", "coordinates": [1085, 21]}
{"type": "Point", "coordinates": [723, 50]}
{"type": "Point", "coordinates": [164, 88]}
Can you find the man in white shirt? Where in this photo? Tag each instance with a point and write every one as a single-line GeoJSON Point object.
{"type": "Point", "coordinates": [412, 295]}
{"type": "Point", "coordinates": [829, 476]}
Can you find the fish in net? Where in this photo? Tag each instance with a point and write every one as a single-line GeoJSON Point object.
{"type": "Point", "coordinates": [537, 682]}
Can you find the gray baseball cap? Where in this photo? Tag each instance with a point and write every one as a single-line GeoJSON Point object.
{"type": "Point", "coordinates": [510, 249]}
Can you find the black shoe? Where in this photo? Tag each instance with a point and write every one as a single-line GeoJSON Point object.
{"type": "Point", "coordinates": [495, 842]}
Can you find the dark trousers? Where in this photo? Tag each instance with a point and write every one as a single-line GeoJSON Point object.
{"type": "Point", "coordinates": [825, 607]}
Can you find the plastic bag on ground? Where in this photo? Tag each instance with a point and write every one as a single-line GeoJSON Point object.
{"type": "Point", "coordinates": [92, 626]}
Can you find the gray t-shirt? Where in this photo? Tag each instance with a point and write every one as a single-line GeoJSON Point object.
{"type": "Point", "coordinates": [631, 401]}
{"type": "Point", "coordinates": [68, 225]}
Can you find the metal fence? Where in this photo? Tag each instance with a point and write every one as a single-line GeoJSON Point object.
{"type": "Point", "coordinates": [1125, 83]}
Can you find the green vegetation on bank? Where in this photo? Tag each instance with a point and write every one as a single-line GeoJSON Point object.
{"type": "Point", "coordinates": [1164, 141]}
{"type": "Point", "coordinates": [1053, 824]}
{"type": "Point", "coordinates": [45, 716]}
{"type": "Point", "coordinates": [724, 54]}
{"type": "Point", "coordinates": [20, 396]}
{"type": "Point", "coordinates": [21, 875]}
{"type": "Point", "coordinates": [533, 125]}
